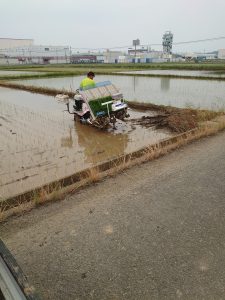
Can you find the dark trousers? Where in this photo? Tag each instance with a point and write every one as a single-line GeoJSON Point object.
{"type": "Point", "coordinates": [78, 104]}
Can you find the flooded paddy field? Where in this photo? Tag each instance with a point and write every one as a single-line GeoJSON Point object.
{"type": "Point", "coordinates": [188, 73]}
{"type": "Point", "coordinates": [40, 142]}
{"type": "Point", "coordinates": [182, 93]}
{"type": "Point", "coordinates": [7, 72]}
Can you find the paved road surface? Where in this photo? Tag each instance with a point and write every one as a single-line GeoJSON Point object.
{"type": "Point", "coordinates": [156, 231]}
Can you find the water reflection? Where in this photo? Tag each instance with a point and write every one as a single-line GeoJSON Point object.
{"type": "Point", "coordinates": [165, 84]}
{"type": "Point", "coordinates": [134, 83]}
{"type": "Point", "coordinates": [187, 73]}
{"type": "Point", "coordinates": [100, 145]}
{"type": "Point", "coordinates": [135, 80]}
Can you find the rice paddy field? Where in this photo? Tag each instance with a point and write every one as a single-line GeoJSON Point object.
{"type": "Point", "coordinates": [40, 142]}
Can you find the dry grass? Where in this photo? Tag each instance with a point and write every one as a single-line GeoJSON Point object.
{"type": "Point", "coordinates": [93, 175]}
{"type": "Point", "coordinates": [121, 164]}
{"type": "Point", "coordinates": [15, 211]}
{"type": "Point", "coordinates": [50, 193]}
{"type": "Point", "coordinates": [178, 120]}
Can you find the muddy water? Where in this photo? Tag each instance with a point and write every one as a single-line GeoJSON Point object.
{"type": "Point", "coordinates": [204, 94]}
{"type": "Point", "coordinates": [40, 142]}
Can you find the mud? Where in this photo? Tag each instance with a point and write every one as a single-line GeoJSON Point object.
{"type": "Point", "coordinates": [176, 121]}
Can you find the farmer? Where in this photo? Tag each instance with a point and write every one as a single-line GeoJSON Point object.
{"type": "Point", "coordinates": [88, 82]}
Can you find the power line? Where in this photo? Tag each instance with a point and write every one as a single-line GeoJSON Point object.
{"type": "Point", "coordinates": [198, 41]}
{"type": "Point", "coordinates": [155, 44]}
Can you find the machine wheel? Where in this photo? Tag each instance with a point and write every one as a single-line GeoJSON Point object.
{"type": "Point", "coordinates": [121, 115]}
{"type": "Point", "coordinates": [101, 122]}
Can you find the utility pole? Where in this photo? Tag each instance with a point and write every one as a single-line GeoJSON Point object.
{"type": "Point", "coordinates": [70, 54]}
{"type": "Point", "coordinates": [135, 44]}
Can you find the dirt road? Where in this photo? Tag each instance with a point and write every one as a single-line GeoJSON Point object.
{"type": "Point", "coordinates": [154, 232]}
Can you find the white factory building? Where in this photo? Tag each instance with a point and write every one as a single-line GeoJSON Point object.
{"type": "Point", "coordinates": [23, 51]}
{"type": "Point", "coordinates": [7, 43]}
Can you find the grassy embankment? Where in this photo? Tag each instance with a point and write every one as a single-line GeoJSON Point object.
{"type": "Point", "coordinates": [207, 66]}
{"type": "Point", "coordinates": [63, 70]}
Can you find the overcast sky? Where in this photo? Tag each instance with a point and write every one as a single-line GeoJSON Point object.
{"type": "Point", "coordinates": [112, 23]}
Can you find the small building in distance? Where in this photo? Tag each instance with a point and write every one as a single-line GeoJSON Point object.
{"type": "Point", "coordinates": [82, 58]}
{"type": "Point", "coordinates": [144, 55]}
{"type": "Point", "coordinates": [221, 53]}
{"type": "Point", "coordinates": [111, 57]}
{"type": "Point", "coordinates": [200, 57]}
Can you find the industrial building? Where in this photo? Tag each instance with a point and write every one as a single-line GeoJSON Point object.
{"type": "Point", "coordinates": [35, 55]}
{"type": "Point", "coordinates": [7, 43]}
